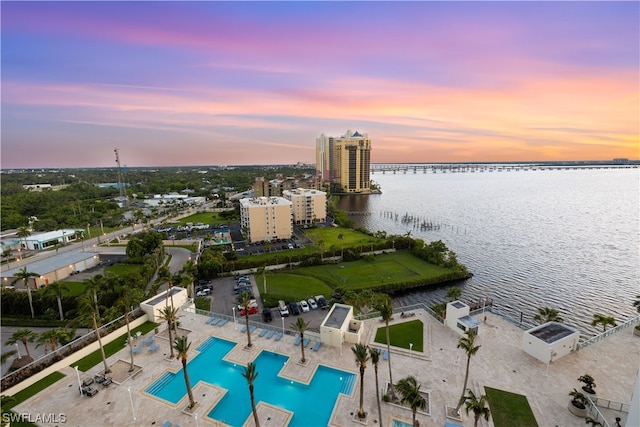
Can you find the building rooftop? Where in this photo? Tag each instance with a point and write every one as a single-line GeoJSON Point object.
{"type": "Point", "coordinates": [48, 265]}
{"type": "Point", "coordinates": [337, 316]}
{"type": "Point", "coordinates": [161, 297]}
{"type": "Point", "coordinates": [551, 332]}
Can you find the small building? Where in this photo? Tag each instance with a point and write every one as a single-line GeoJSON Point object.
{"type": "Point", "coordinates": [550, 341]}
{"type": "Point", "coordinates": [53, 269]}
{"type": "Point", "coordinates": [339, 326]}
{"type": "Point", "coordinates": [154, 305]}
{"type": "Point", "coordinates": [40, 241]}
{"type": "Point", "coordinates": [458, 319]}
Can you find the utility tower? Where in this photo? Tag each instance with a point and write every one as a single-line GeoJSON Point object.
{"type": "Point", "coordinates": [121, 189]}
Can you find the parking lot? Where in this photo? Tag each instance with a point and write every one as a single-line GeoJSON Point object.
{"type": "Point", "coordinates": [224, 299]}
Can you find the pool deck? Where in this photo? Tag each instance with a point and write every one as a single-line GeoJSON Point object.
{"type": "Point", "coordinates": [500, 363]}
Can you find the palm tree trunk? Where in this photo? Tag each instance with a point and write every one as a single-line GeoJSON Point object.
{"type": "Point", "coordinates": [253, 406]}
{"type": "Point", "coordinates": [95, 301]}
{"type": "Point", "coordinates": [26, 348]}
{"type": "Point", "coordinates": [192, 403]}
{"type": "Point", "coordinates": [170, 339]}
{"type": "Point", "coordinates": [414, 417]}
{"type": "Point", "coordinates": [246, 316]}
{"type": "Point", "coordinates": [375, 368]}
{"type": "Point", "coordinates": [104, 358]}
{"type": "Point", "coordinates": [302, 346]}
{"type": "Point", "coordinates": [466, 378]}
{"type": "Point", "coordinates": [60, 308]}
{"type": "Point", "coordinates": [30, 300]}
{"type": "Point", "coordinates": [393, 392]}
{"type": "Point", "coordinates": [361, 413]}
{"type": "Point", "coordinates": [477, 418]}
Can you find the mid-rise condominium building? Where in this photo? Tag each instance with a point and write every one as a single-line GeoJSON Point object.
{"type": "Point", "coordinates": [345, 162]}
{"type": "Point", "coordinates": [308, 206]}
{"type": "Point", "coordinates": [266, 218]}
{"type": "Point", "coordinates": [275, 187]}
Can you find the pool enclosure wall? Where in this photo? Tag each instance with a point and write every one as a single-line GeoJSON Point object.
{"type": "Point", "coordinates": [550, 341]}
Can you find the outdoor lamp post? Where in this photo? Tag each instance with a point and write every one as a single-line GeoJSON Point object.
{"type": "Point", "coordinates": [79, 382]}
{"type": "Point", "coordinates": [235, 325]}
{"type": "Point", "coordinates": [410, 348]}
{"type": "Point", "coordinates": [282, 324]}
{"type": "Point", "coordinates": [196, 418]}
{"type": "Point", "coordinates": [133, 411]}
{"type": "Point", "coordinates": [18, 349]}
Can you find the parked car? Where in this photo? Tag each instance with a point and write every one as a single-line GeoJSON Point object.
{"type": "Point", "coordinates": [304, 306]}
{"type": "Point", "coordinates": [252, 304]}
{"type": "Point", "coordinates": [312, 304]}
{"type": "Point", "coordinates": [266, 315]}
{"type": "Point", "coordinates": [282, 307]}
{"type": "Point", "coordinates": [322, 302]}
{"type": "Point", "coordinates": [293, 308]}
{"type": "Point", "coordinates": [252, 310]}
{"type": "Point", "coordinates": [204, 292]}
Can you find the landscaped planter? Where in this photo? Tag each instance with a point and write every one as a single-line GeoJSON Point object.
{"type": "Point", "coordinates": [579, 412]}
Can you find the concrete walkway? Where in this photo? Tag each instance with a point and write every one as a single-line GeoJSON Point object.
{"type": "Point", "coordinates": [500, 363]}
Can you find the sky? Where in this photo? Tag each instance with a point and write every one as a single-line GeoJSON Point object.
{"type": "Point", "coordinates": [239, 83]}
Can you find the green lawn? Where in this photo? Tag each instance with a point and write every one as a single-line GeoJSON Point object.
{"type": "Point", "coordinates": [401, 334]}
{"type": "Point", "coordinates": [290, 287]}
{"type": "Point", "coordinates": [329, 236]}
{"type": "Point", "coordinates": [90, 360]}
{"type": "Point", "coordinates": [363, 274]}
{"type": "Point", "coordinates": [120, 269]}
{"type": "Point", "coordinates": [204, 218]}
{"type": "Point", "coordinates": [509, 409]}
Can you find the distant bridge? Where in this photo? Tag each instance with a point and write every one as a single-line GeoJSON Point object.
{"type": "Point", "coordinates": [385, 168]}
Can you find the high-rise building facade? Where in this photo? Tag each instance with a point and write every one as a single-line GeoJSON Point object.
{"type": "Point", "coordinates": [266, 218]}
{"type": "Point", "coordinates": [345, 162]}
{"type": "Point", "coordinates": [308, 206]}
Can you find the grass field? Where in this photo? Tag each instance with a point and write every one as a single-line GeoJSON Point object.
{"type": "Point", "coordinates": [402, 334]}
{"type": "Point", "coordinates": [329, 237]}
{"type": "Point", "coordinates": [509, 409]}
{"type": "Point", "coordinates": [119, 269]}
{"type": "Point", "coordinates": [362, 274]}
{"type": "Point", "coordinates": [204, 218]}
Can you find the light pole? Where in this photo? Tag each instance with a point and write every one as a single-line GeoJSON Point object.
{"type": "Point", "coordinates": [18, 348]}
{"type": "Point", "coordinates": [196, 418]}
{"type": "Point", "coordinates": [133, 411]}
{"type": "Point", "coordinates": [282, 324]}
{"type": "Point", "coordinates": [410, 348]}
{"type": "Point", "coordinates": [235, 325]}
{"type": "Point", "coordinates": [79, 382]}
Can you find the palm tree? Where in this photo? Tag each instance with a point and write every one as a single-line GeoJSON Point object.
{"type": "Point", "coordinates": [94, 285]}
{"type": "Point", "coordinates": [181, 344]}
{"type": "Point", "coordinates": [603, 320]}
{"type": "Point", "coordinates": [592, 422]}
{"type": "Point", "coordinates": [24, 336]}
{"type": "Point", "coordinates": [57, 289]}
{"type": "Point", "coordinates": [301, 326]}
{"type": "Point", "coordinates": [375, 358]}
{"type": "Point", "coordinates": [6, 355]}
{"type": "Point", "coordinates": [53, 337]}
{"type": "Point", "coordinates": [386, 312]}
{"type": "Point", "coordinates": [250, 375]}
{"type": "Point", "coordinates": [410, 391]}
{"type": "Point", "coordinates": [453, 293]}
{"type": "Point", "coordinates": [25, 275]}
{"type": "Point", "coordinates": [245, 303]}
{"type": "Point", "coordinates": [362, 356]}
{"type": "Point", "coordinates": [467, 343]}
{"type": "Point", "coordinates": [88, 310]}
{"type": "Point", "coordinates": [477, 405]}
{"type": "Point", "coordinates": [23, 233]}
{"type": "Point", "coordinates": [547, 314]}
{"type": "Point", "coordinates": [164, 275]}
{"type": "Point", "coordinates": [169, 314]}
{"type": "Point", "coordinates": [125, 303]}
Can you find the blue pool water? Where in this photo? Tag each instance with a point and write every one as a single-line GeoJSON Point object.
{"type": "Point", "coordinates": [311, 404]}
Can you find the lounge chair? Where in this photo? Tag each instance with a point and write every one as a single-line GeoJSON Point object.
{"type": "Point", "coordinates": [316, 346]}
{"type": "Point", "coordinates": [385, 355]}
{"type": "Point", "coordinates": [224, 322]}
{"type": "Point", "coordinates": [253, 329]}
{"type": "Point", "coordinates": [271, 333]}
{"type": "Point", "coordinates": [244, 329]}
{"type": "Point", "coordinates": [107, 381]}
{"type": "Point", "coordinates": [88, 391]}
{"type": "Point", "coordinates": [306, 341]}
{"type": "Point", "coordinates": [262, 333]}
{"type": "Point", "coordinates": [278, 337]}
{"type": "Point", "coordinates": [87, 382]}
{"type": "Point", "coordinates": [216, 321]}
{"type": "Point", "coordinates": [154, 348]}
{"type": "Point", "coordinates": [297, 341]}
{"type": "Point", "coordinates": [210, 319]}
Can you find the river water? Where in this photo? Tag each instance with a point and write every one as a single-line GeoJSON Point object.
{"type": "Point", "coordinates": [566, 239]}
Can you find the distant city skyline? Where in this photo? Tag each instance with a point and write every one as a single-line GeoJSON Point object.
{"type": "Point", "coordinates": [239, 83]}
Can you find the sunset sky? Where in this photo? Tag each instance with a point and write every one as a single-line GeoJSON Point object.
{"type": "Point", "coordinates": [234, 83]}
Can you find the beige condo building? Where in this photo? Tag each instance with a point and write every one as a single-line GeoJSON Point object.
{"type": "Point", "coordinates": [266, 218]}
{"type": "Point", "coordinates": [308, 206]}
{"type": "Point", "coordinates": [345, 162]}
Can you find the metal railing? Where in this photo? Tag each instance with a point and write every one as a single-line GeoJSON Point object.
{"type": "Point", "coordinates": [608, 333]}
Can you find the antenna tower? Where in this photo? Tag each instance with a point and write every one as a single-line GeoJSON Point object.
{"type": "Point", "coordinates": [121, 189]}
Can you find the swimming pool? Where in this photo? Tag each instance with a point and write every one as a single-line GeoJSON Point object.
{"type": "Point", "coordinates": [311, 404]}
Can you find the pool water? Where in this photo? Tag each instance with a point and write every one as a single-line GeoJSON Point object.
{"type": "Point", "coordinates": [311, 404]}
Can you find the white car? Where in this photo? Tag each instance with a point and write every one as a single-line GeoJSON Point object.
{"type": "Point", "coordinates": [304, 306]}
{"type": "Point", "coordinates": [204, 292]}
{"type": "Point", "coordinates": [312, 304]}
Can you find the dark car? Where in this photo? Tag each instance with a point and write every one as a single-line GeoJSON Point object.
{"type": "Point", "coordinates": [266, 315]}
{"type": "Point", "coordinates": [293, 307]}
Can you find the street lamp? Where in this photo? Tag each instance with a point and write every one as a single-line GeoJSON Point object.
{"type": "Point", "coordinates": [196, 418]}
{"type": "Point", "coordinates": [410, 348]}
{"type": "Point", "coordinates": [18, 348]}
{"type": "Point", "coordinates": [79, 382]}
{"type": "Point", "coordinates": [235, 325]}
{"type": "Point", "coordinates": [282, 325]}
{"type": "Point", "coordinates": [131, 400]}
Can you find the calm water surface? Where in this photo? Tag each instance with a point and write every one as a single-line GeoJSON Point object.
{"type": "Point", "coordinates": [567, 239]}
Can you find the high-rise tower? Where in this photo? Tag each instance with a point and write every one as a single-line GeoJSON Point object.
{"type": "Point", "coordinates": [345, 162]}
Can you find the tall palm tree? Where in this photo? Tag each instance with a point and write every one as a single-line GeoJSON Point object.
{"type": "Point", "coordinates": [546, 314]}
{"type": "Point", "coordinates": [25, 275]}
{"type": "Point", "coordinates": [375, 358]}
{"type": "Point", "coordinates": [169, 314]}
{"type": "Point", "coordinates": [467, 343]}
{"type": "Point", "coordinates": [386, 312]}
{"type": "Point", "coordinates": [126, 302]}
{"type": "Point", "coordinates": [301, 326]}
{"type": "Point", "coordinates": [53, 337]}
{"type": "Point", "coordinates": [181, 344]}
{"type": "Point", "coordinates": [250, 375]}
{"type": "Point", "coordinates": [87, 310]}
{"type": "Point", "coordinates": [93, 285]}
{"type": "Point", "coordinates": [57, 289]}
{"type": "Point", "coordinates": [24, 336]}
{"type": "Point", "coordinates": [409, 389]}
{"type": "Point", "coordinates": [245, 302]}
{"type": "Point", "coordinates": [362, 356]}
{"type": "Point", "coordinates": [23, 233]}
{"type": "Point", "coordinates": [603, 320]}
{"type": "Point", "coordinates": [477, 405]}
{"type": "Point", "coordinates": [164, 275]}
